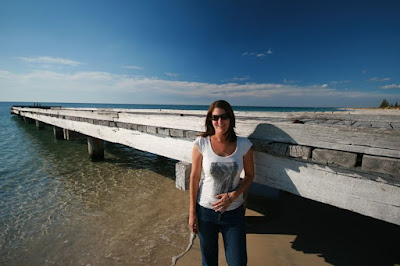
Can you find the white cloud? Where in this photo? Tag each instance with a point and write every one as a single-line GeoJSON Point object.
{"type": "Point", "coordinates": [241, 78]}
{"type": "Point", "coordinates": [5, 74]}
{"type": "Point", "coordinates": [42, 85]}
{"type": "Point", "coordinates": [285, 81]}
{"type": "Point", "coordinates": [172, 75]}
{"type": "Point", "coordinates": [258, 54]}
{"type": "Point", "coordinates": [339, 82]}
{"type": "Point", "coordinates": [132, 67]}
{"type": "Point", "coordinates": [392, 86]}
{"type": "Point", "coordinates": [379, 79]}
{"type": "Point", "coordinates": [50, 60]}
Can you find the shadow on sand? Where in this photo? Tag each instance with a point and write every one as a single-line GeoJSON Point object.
{"type": "Point", "coordinates": [341, 237]}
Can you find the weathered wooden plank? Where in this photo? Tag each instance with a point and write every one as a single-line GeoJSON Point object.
{"type": "Point", "coordinates": [382, 142]}
{"type": "Point", "coordinates": [330, 185]}
{"type": "Point", "coordinates": [368, 116]}
{"type": "Point", "coordinates": [381, 165]}
{"type": "Point", "coordinates": [93, 114]}
{"type": "Point", "coordinates": [395, 125]}
{"type": "Point", "coordinates": [163, 131]}
{"type": "Point", "coordinates": [192, 134]}
{"type": "Point", "coordinates": [174, 148]}
{"type": "Point", "coordinates": [174, 121]}
{"type": "Point", "coordinates": [376, 115]}
{"type": "Point", "coordinates": [176, 133]}
{"type": "Point", "coordinates": [379, 124]}
{"type": "Point", "coordinates": [346, 159]}
{"type": "Point", "coordinates": [358, 140]}
{"type": "Point", "coordinates": [298, 151]}
{"type": "Point", "coordinates": [151, 129]}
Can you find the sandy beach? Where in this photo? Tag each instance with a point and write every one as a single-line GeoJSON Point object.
{"type": "Point", "coordinates": [297, 231]}
{"type": "Point", "coordinates": [374, 111]}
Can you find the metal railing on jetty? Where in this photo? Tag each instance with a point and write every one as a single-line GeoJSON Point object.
{"type": "Point", "coordinates": [345, 159]}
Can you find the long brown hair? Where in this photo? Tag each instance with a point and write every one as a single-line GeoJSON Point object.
{"type": "Point", "coordinates": [231, 135]}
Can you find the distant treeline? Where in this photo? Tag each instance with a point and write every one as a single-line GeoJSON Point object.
{"type": "Point", "coordinates": [386, 104]}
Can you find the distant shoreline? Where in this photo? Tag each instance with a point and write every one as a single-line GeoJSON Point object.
{"type": "Point", "coordinates": [375, 110]}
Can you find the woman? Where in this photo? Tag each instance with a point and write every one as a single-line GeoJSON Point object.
{"type": "Point", "coordinates": [216, 200]}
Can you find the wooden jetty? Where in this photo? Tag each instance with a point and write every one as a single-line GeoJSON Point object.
{"type": "Point", "coordinates": [348, 159]}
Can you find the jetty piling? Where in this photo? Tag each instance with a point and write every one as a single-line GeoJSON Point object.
{"type": "Point", "coordinates": [182, 175]}
{"type": "Point", "coordinates": [350, 160]}
{"type": "Point", "coordinates": [58, 132]}
{"type": "Point", "coordinates": [70, 135]}
{"type": "Point", "coordinates": [39, 124]}
{"type": "Point", "coordinates": [95, 148]}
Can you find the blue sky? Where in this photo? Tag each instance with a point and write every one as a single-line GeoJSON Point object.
{"type": "Point", "coordinates": [264, 53]}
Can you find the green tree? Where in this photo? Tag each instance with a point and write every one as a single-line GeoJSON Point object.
{"type": "Point", "coordinates": [396, 105]}
{"type": "Point", "coordinates": [384, 104]}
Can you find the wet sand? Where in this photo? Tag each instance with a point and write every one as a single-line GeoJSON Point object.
{"type": "Point", "coordinates": [297, 231]}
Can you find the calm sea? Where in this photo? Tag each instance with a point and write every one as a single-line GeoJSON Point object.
{"type": "Point", "coordinates": [58, 207]}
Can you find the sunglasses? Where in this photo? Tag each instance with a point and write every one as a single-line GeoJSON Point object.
{"type": "Point", "coordinates": [216, 117]}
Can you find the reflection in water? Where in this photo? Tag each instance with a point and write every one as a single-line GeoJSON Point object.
{"type": "Point", "coordinates": [58, 207]}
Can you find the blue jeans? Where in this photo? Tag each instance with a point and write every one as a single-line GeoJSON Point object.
{"type": "Point", "coordinates": [233, 228]}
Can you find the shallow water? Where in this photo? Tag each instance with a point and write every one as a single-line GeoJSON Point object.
{"type": "Point", "coordinates": [58, 207]}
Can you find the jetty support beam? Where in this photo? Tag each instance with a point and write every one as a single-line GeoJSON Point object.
{"type": "Point", "coordinates": [39, 124]}
{"type": "Point", "coordinates": [70, 135]}
{"type": "Point", "coordinates": [182, 174]}
{"type": "Point", "coordinates": [95, 148]}
{"type": "Point", "coordinates": [29, 120]}
{"type": "Point", "coordinates": [58, 132]}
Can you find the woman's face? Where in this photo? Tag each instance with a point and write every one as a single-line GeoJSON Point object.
{"type": "Point", "coordinates": [220, 125]}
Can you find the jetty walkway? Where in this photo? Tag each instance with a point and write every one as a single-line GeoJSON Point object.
{"type": "Point", "coordinates": [348, 159]}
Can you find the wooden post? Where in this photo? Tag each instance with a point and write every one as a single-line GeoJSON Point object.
{"type": "Point", "coordinates": [95, 148]}
{"type": "Point", "coordinates": [66, 134]}
{"type": "Point", "coordinates": [182, 175]}
{"type": "Point", "coordinates": [71, 135]}
{"type": "Point", "coordinates": [29, 120]}
{"type": "Point", "coordinates": [58, 132]}
{"type": "Point", "coordinates": [39, 124]}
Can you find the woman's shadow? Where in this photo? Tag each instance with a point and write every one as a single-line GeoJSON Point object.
{"type": "Point", "coordinates": [340, 236]}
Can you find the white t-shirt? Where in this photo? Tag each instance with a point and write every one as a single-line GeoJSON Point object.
{"type": "Point", "coordinates": [221, 174]}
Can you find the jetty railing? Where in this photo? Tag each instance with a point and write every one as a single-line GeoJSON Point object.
{"type": "Point", "coordinates": [344, 159]}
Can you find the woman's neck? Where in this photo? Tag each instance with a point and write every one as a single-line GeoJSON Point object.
{"type": "Point", "coordinates": [220, 138]}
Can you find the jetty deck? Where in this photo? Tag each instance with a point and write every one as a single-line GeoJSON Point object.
{"type": "Point", "coordinates": [348, 159]}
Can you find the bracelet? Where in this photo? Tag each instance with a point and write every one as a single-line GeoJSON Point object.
{"type": "Point", "coordinates": [229, 197]}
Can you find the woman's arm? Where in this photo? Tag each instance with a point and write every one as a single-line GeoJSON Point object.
{"type": "Point", "coordinates": [194, 188]}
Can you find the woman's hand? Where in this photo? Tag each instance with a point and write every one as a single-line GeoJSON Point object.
{"type": "Point", "coordinates": [223, 202]}
{"type": "Point", "coordinates": [193, 223]}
